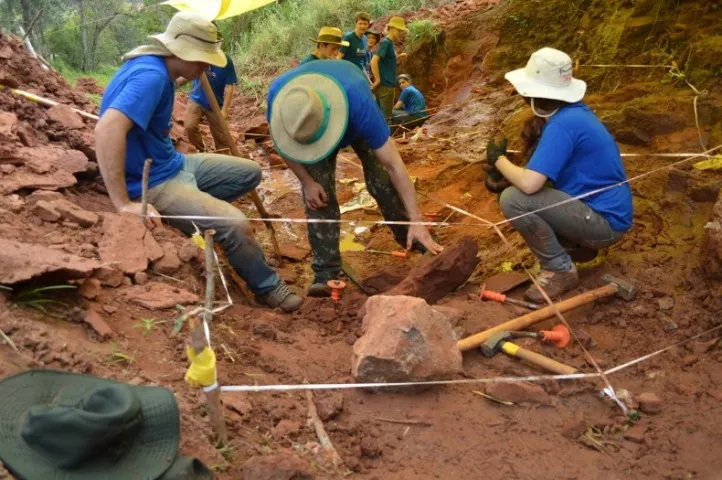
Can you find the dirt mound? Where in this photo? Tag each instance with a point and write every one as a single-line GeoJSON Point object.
{"type": "Point", "coordinates": [89, 85]}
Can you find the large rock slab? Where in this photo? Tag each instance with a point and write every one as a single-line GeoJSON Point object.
{"type": "Point", "coordinates": [404, 340]}
{"type": "Point", "coordinates": [66, 117]}
{"type": "Point", "coordinates": [128, 243]}
{"type": "Point", "coordinates": [158, 296]}
{"type": "Point", "coordinates": [437, 276]}
{"type": "Point", "coordinates": [48, 167]}
{"type": "Point", "coordinates": [23, 261]}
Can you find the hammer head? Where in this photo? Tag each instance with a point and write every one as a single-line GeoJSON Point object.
{"type": "Point", "coordinates": [625, 289]}
{"type": "Point", "coordinates": [493, 346]}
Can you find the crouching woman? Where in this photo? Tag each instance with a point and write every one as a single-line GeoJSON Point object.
{"type": "Point", "coordinates": [578, 156]}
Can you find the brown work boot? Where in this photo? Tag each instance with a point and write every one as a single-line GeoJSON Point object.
{"type": "Point", "coordinates": [554, 283]}
{"type": "Point", "coordinates": [319, 290]}
{"type": "Point", "coordinates": [281, 297]}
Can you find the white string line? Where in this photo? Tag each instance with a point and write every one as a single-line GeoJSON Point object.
{"type": "Point", "coordinates": [466, 381]}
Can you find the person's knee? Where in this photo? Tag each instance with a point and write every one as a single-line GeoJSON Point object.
{"type": "Point", "coordinates": [510, 201]}
{"type": "Point", "coordinates": [255, 174]}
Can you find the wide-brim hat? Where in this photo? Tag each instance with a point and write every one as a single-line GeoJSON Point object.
{"type": "Point", "coordinates": [309, 100]}
{"type": "Point", "coordinates": [331, 35]}
{"type": "Point", "coordinates": [397, 22]}
{"type": "Point", "coordinates": [548, 74]}
{"type": "Point", "coordinates": [192, 38]}
{"type": "Point", "coordinates": [152, 451]}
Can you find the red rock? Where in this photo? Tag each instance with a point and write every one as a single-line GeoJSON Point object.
{"type": "Point", "coordinates": [404, 339]}
{"type": "Point", "coordinates": [74, 213]}
{"type": "Point", "coordinates": [237, 402]}
{"type": "Point", "coordinates": [45, 195]}
{"type": "Point", "coordinates": [518, 392]}
{"type": "Point", "coordinates": [329, 405]}
{"type": "Point", "coordinates": [46, 212]}
{"type": "Point", "coordinates": [169, 263]}
{"type": "Point", "coordinates": [6, 53]}
{"type": "Point", "coordinates": [451, 314]}
{"type": "Point", "coordinates": [649, 402]}
{"type": "Point", "coordinates": [574, 427]}
{"type": "Point", "coordinates": [8, 127]}
{"type": "Point", "coordinates": [90, 289]}
{"type": "Point", "coordinates": [439, 275]}
{"type": "Point", "coordinates": [98, 324]}
{"type": "Point", "coordinates": [20, 261]}
{"type": "Point", "coordinates": [13, 203]}
{"type": "Point", "coordinates": [50, 157]}
{"type": "Point", "coordinates": [7, 168]}
{"type": "Point", "coordinates": [26, 135]}
{"type": "Point", "coordinates": [25, 179]}
{"type": "Point", "coordinates": [188, 252]}
{"type": "Point", "coordinates": [294, 252]}
{"type": "Point", "coordinates": [141, 278]}
{"type": "Point", "coordinates": [385, 279]}
{"type": "Point", "coordinates": [280, 465]}
{"type": "Point", "coordinates": [690, 360]}
{"type": "Point", "coordinates": [109, 275]}
{"type": "Point", "coordinates": [122, 243]}
{"type": "Point", "coordinates": [153, 250]}
{"type": "Point", "coordinates": [703, 347]}
{"type": "Point", "coordinates": [636, 434]}
{"type": "Point", "coordinates": [275, 161]}
{"type": "Point", "coordinates": [158, 296]}
{"type": "Point", "coordinates": [504, 281]}
{"type": "Point", "coordinates": [109, 309]}
{"type": "Point", "coordinates": [287, 275]}
{"type": "Point", "coordinates": [66, 117]}
{"type": "Point", "coordinates": [287, 428]}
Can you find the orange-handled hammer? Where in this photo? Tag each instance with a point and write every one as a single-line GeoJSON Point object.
{"type": "Point", "coordinates": [485, 294]}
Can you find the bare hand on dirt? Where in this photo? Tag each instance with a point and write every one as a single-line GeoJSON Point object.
{"type": "Point", "coordinates": [315, 196]}
{"type": "Point", "coordinates": [421, 234]}
{"type": "Point", "coordinates": [135, 208]}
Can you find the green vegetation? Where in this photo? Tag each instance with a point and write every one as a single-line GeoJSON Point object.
{"type": "Point", "coordinates": [422, 32]}
{"type": "Point", "coordinates": [39, 298]}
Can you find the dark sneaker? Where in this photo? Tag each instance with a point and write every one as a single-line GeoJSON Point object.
{"type": "Point", "coordinates": [554, 283]}
{"type": "Point", "coordinates": [281, 297]}
{"type": "Point", "coordinates": [319, 290]}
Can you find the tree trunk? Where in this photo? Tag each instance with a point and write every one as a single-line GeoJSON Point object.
{"type": "Point", "coordinates": [83, 35]}
{"type": "Point", "coordinates": [27, 15]}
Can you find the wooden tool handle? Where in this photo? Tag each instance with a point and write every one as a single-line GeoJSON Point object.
{"type": "Point", "coordinates": [520, 323]}
{"type": "Point", "coordinates": [536, 359]}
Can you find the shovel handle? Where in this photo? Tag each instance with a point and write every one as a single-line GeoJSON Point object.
{"type": "Point", "coordinates": [536, 359]}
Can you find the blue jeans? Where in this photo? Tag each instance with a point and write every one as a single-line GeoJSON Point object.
{"type": "Point", "coordinates": [575, 222]}
{"type": "Point", "coordinates": [206, 186]}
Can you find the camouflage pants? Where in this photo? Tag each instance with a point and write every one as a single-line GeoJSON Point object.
{"type": "Point", "coordinates": [385, 99]}
{"type": "Point", "coordinates": [324, 237]}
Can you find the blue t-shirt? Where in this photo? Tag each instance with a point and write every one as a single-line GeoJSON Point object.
{"type": "Point", "coordinates": [413, 100]}
{"type": "Point", "coordinates": [387, 62]}
{"type": "Point", "coordinates": [365, 120]}
{"type": "Point", "coordinates": [356, 51]}
{"type": "Point", "coordinates": [579, 155]}
{"type": "Point", "coordinates": [218, 78]}
{"type": "Point", "coordinates": [143, 91]}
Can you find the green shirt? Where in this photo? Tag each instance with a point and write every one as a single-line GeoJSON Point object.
{"type": "Point", "coordinates": [309, 58]}
{"type": "Point", "coordinates": [387, 63]}
{"type": "Point", "coordinates": [356, 51]}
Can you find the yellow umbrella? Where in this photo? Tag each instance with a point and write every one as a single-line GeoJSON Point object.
{"type": "Point", "coordinates": [217, 9]}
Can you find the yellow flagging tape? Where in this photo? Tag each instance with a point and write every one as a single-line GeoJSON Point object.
{"type": "Point", "coordinates": [714, 163]}
{"type": "Point", "coordinates": [202, 371]}
{"type": "Point", "coordinates": [198, 240]}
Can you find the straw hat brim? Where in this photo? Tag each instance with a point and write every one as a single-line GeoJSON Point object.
{"type": "Point", "coordinates": [343, 43]}
{"type": "Point", "coordinates": [186, 50]}
{"type": "Point", "coordinates": [336, 99]}
{"type": "Point", "coordinates": [528, 87]}
{"type": "Point", "coordinates": [152, 452]}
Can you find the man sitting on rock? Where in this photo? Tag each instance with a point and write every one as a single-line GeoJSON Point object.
{"type": "Point", "coordinates": [328, 43]}
{"type": "Point", "coordinates": [410, 110]}
{"type": "Point", "coordinates": [135, 124]}
{"type": "Point", "coordinates": [317, 109]}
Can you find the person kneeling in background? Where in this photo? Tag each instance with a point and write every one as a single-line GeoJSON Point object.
{"type": "Point", "coordinates": [579, 156]}
{"type": "Point", "coordinates": [410, 110]}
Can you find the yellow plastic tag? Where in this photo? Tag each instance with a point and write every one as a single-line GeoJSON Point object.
{"type": "Point", "coordinates": [714, 163]}
{"type": "Point", "coordinates": [198, 240]}
{"type": "Point", "coordinates": [202, 371]}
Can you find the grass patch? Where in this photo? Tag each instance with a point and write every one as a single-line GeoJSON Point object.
{"type": "Point", "coordinates": [422, 32]}
{"type": "Point", "coordinates": [40, 299]}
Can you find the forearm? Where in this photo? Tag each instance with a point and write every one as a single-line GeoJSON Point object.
{"type": "Point", "coordinates": [402, 181]}
{"type": "Point", "coordinates": [300, 171]}
{"type": "Point", "coordinates": [111, 161]}
{"type": "Point", "coordinates": [527, 181]}
{"type": "Point", "coordinates": [375, 69]}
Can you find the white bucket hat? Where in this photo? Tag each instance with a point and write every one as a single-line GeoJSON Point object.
{"type": "Point", "coordinates": [309, 116]}
{"type": "Point", "coordinates": [548, 74]}
{"type": "Point", "coordinates": [192, 38]}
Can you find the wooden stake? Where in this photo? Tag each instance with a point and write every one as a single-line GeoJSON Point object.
{"type": "Point", "coordinates": [199, 342]}
{"type": "Point", "coordinates": [318, 427]}
{"type": "Point", "coordinates": [144, 191]}
{"type": "Point", "coordinates": [216, 111]}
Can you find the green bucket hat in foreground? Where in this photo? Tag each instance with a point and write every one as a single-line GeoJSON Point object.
{"type": "Point", "coordinates": [64, 425]}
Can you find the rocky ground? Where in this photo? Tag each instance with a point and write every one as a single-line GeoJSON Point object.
{"type": "Point", "coordinates": [57, 227]}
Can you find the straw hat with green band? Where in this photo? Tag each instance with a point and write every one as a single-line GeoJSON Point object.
{"type": "Point", "coordinates": [331, 35]}
{"type": "Point", "coordinates": [68, 426]}
{"type": "Point", "coordinates": [309, 116]}
{"type": "Point", "coordinates": [397, 22]}
{"type": "Point", "coordinates": [192, 38]}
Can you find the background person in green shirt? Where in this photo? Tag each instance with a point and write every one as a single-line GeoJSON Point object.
{"type": "Point", "coordinates": [355, 52]}
{"type": "Point", "coordinates": [328, 43]}
{"type": "Point", "coordinates": [383, 66]}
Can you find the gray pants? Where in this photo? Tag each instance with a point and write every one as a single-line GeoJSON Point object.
{"type": "Point", "coordinates": [575, 222]}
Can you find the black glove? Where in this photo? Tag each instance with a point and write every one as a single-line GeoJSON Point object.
{"type": "Point", "coordinates": [494, 151]}
{"type": "Point", "coordinates": [495, 181]}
